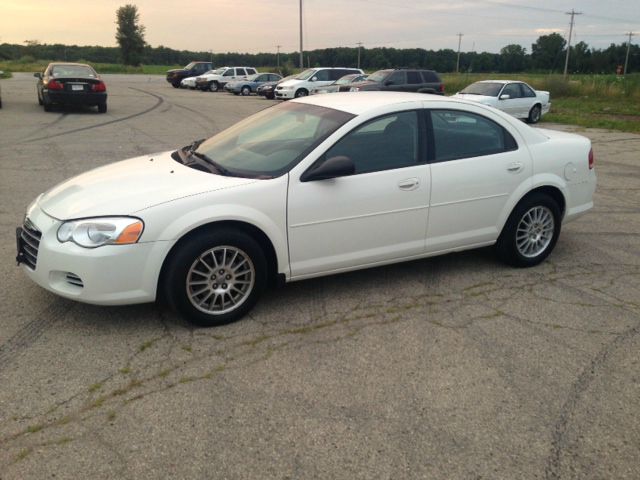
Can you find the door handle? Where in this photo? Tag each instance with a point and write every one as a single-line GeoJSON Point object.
{"type": "Point", "coordinates": [409, 184]}
{"type": "Point", "coordinates": [515, 167]}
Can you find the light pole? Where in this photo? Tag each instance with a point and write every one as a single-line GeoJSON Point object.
{"type": "Point", "coordinates": [359, 46]}
{"type": "Point", "coordinates": [301, 57]}
{"type": "Point", "coordinates": [566, 58]}
{"type": "Point", "coordinates": [460, 35]}
{"type": "Point", "coordinates": [278, 57]}
{"type": "Point", "coordinates": [626, 58]}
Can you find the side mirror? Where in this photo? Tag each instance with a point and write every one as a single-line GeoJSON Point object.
{"type": "Point", "coordinates": [37, 75]}
{"type": "Point", "coordinates": [340, 166]}
{"type": "Point", "coordinates": [313, 79]}
{"type": "Point", "coordinates": [505, 97]}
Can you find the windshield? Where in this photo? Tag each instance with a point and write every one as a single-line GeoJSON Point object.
{"type": "Point", "coordinates": [271, 142]}
{"type": "Point", "coordinates": [488, 89]}
{"type": "Point", "coordinates": [379, 76]}
{"type": "Point", "coordinates": [347, 79]}
{"type": "Point", "coordinates": [251, 78]}
{"type": "Point", "coordinates": [72, 71]}
{"type": "Point", "coordinates": [190, 66]}
{"type": "Point", "coordinates": [307, 74]}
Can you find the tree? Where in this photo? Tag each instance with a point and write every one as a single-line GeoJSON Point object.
{"type": "Point", "coordinates": [548, 52]}
{"type": "Point", "coordinates": [513, 58]}
{"type": "Point", "coordinates": [130, 34]}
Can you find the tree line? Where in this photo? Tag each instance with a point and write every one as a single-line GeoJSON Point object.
{"type": "Point", "coordinates": [547, 55]}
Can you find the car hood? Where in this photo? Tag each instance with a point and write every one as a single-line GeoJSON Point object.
{"type": "Point", "coordinates": [176, 70]}
{"type": "Point", "coordinates": [129, 186]}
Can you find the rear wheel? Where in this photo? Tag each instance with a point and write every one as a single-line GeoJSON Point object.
{"type": "Point", "coordinates": [102, 108]}
{"type": "Point", "coordinates": [531, 232]}
{"type": "Point", "coordinates": [47, 106]}
{"type": "Point", "coordinates": [175, 85]}
{"type": "Point", "coordinates": [214, 86]}
{"type": "Point", "coordinates": [534, 114]}
{"type": "Point", "coordinates": [245, 91]}
{"type": "Point", "coordinates": [215, 277]}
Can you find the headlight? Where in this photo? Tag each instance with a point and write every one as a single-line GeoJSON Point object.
{"type": "Point", "coordinates": [95, 232]}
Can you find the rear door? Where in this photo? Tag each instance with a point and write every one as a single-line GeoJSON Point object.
{"type": "Point", "coordinates": [476, 165]}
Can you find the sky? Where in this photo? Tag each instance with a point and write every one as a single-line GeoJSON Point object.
{"type": "Point", "coordinates": [261, 25]}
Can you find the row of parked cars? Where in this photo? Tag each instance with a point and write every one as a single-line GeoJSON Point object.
{"type": "Point", "coordinates": [514, 97]}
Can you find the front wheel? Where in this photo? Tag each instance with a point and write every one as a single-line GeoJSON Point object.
{"type": "Point", "coordinates": [175, 85]}
{"type": "Point", "coordinates": [534, 114]}
{"type": "Point", "coordinates": [214, 86]}
{"type": "Point", "coordinates": [102, 108]}
{"type": "Point", "coordinates": [301, 93]}
{"type": "Point", "coordinates": [245, 91]}
{"type": "Point", "coordinates": [531, 232]}
{"type": "Point", "coordinates": [215, 277]}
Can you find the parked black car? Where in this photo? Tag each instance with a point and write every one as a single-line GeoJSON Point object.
{"type": "Point", "coordinates": [71, 84]}
{"type": "Point", "coordinates": [192, 70]}
{"type": "Point", "coordinates": [400, 80]}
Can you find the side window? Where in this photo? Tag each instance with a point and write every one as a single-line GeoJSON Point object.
{"type": "Point", "coordinates": [430, 77]}
{"type": "Point", "coordinates": [240, 71]}
{"type": "Point", "coordinates": [336, 74]}
{"type": "Point", "coordinates": [322, 75]}
{"type": "Point", "coordinates": [397, 78]}
{"type": "Point", "coordinates": [527, 91]}
{"type": "Point", "coordinates": [228, 73]}
{"type": "Point", "coordinates": [513, 90]}
{"type": "Point", "coordinates": [459, 134]}
{"type": "Point", "coordinates": [262, 78]}
{"type": "Point", "coordinates": [384, 143]}
{"type": "Point", "coordinates": [414, 77]}
{"type": "Point", "coordinates": [251, 71]}
{"type": "Point", "coordinates": [273, 78]}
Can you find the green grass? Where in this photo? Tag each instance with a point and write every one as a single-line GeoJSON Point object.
{"type": "Point", "coordinates": [40, 65]}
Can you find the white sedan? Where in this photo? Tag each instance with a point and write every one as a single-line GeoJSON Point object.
{"type": "Point", "coordinates": [311, 187]}
{"type": "Point", "coordinates": [515, 98]}
{"type": "Point", "coordinates": [189, 82]}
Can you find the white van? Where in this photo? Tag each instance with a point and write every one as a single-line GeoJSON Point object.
{"type": "Point", "coordinates": [301, 85]}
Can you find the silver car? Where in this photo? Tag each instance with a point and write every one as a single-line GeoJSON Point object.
{"type": "Point", "coordinates": [335, 86]}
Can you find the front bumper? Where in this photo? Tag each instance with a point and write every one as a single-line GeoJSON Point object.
{"type": "Point", "coordinates": [108, 275]}
{"type": "Point", "coordinates": [285, 94]}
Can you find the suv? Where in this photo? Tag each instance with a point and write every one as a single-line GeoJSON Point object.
{"type": "Point", "coordinates": [301, 85]}
{"type": "Point", "coordinates": [194, 68]}
{"type": "Point", "coordinates": [400, 80]}
{"type": "Point", "coordinates": [217, 79]}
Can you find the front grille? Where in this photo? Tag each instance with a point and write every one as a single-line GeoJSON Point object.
{"type": "Point", "coordinates": [30, 243]}
{"type": "Point", "coordinates": [74, 279]}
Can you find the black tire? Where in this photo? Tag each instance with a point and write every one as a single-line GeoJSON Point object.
{"type": "Point", "coordinates": [47, 106]}
{"type": "Point", "coordinates": [0, 103]}
{"type": "Point", "coordinates": [534, 114]}
{"type": "Point", "coordinates": [214, 86]}
{"type": "Point", "coordinates": [39, 99]}
{"type": "Point", "coordinates": [175, 85]}
{"type": "Point", "coordinates": [196, 254]}
{"type": "Point", "coordinates": [301, 93]}
{"type": "Point", "coordinates": [246, 90]}
{"type": "Point", "coordinates": [102, 108]}
{"type": "Point", "coordinates": [531, 231]}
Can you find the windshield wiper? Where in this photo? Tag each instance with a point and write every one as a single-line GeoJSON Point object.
{"type": "Point", "coordinates": [222, 170]}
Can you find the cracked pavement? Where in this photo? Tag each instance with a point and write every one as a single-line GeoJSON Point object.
{"type": "Point", "coordinates": [452, 367]}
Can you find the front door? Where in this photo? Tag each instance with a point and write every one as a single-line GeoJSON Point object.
{"type": "Point", "coordinates": [376, 215]}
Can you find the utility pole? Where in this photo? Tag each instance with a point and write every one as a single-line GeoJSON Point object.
{"type": "Point", "coordinates": [278, 57]}
{"type": "Point", "coordinates": [359, 45]}
{"type": "Point", "coordinates": [566, 59]}
{"type": "Point", "coordinates": [626, 59]}
{"type": "Point", "coordinates": [460, 35]}
{"type": "Point", "coordinates": [301, 57]}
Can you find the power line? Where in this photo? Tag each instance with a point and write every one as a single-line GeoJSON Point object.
{"type": "Point", "coordinates": [460, 35]}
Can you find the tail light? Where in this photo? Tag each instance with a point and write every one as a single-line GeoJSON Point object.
{"type": "Point", "coordinates": [591, 159]}
{"type": "Point", "coordinates": [98, 87]}
{"type": "Point", "coordinates": [441, 88]}
{"type": "Point", "coordinates": [55, 85]}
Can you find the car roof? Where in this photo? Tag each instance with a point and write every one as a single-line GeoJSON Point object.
{"type": "Point", "coordinates": [499, 81]}
{"type": "Point", "coordinates": [358, 103]}
{"type": "Point", "coordinates": [57, 64]}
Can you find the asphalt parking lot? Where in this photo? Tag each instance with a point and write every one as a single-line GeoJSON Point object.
{"type": "Point", "coordinates": [455, 367]}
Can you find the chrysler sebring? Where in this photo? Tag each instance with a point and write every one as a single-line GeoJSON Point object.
{"type": "Point", "coordinates": [311, 187]}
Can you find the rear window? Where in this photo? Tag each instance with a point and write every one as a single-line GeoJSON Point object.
{"type": "Point", "coordinates": [72, 71]}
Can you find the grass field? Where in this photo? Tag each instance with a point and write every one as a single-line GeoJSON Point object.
{"type": "Point", "coordinates": [599, 101]}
